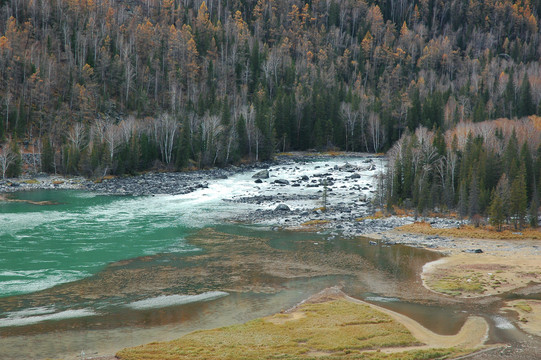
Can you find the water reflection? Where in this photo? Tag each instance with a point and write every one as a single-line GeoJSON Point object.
{"type": "Point", "coordinates": [263, 272]}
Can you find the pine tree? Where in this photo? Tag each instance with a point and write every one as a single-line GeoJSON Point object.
{"type": "Point", "coordinates": [496, 212]}
{"type": "Point", "coordinates": [519, 200]}
{"type": "Point", "coordinates": [47, 157]}
{"type": "Point", "coordinates": [463, 200]}
{"type": "Point", "coordinates": [473, 198]}
{"type": "Point", "coordinates": [534, 209]}
{"type": "Point", "coordinates": [525, 101]}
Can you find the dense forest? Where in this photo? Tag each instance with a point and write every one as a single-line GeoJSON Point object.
{"type": "Point", "coordinates": [490, 168]}
{"type": "Point", "coordinates": [109, 87]}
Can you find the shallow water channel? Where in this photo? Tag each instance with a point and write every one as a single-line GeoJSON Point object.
{"type": "Point", "coordinates": [85, 273]}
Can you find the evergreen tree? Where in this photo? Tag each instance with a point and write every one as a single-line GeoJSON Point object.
{"type": "Point", "coordinates": [415, 111]}
{"type": "Point", "coordinates": [525, 101]}
{"type": "Point", "coordinates": [463, 200]}
{"type": "Point", "coordinates": [47, 157]}
{"type": "Point", "coordinates": [518, 199]}
{"type": "Point", "coordinates": [496, 212]}
{"type": "Point", "coordinates": [473, 198]}
{"type": "Point", "coordinates": [534, 209]}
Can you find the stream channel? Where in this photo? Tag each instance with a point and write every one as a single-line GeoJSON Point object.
{"type": "Point", "coordinates": [84, 273]}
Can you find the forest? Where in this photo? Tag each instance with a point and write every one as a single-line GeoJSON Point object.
{"type": "Point", "coordinates": [101, 87]}
{"type": "Point", "coordinates": [478, 169]}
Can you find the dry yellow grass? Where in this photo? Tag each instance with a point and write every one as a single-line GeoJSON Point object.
{"type": "Point", "coordinates": [315, 222]}
{"type": "Point", "coordinates": [471, 232]}
{"type": "Point", "coordinates": [337, 329]}
{"type": "Point", "coordinates": [376, 215]}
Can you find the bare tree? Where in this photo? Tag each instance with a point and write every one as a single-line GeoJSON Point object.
{"type": "Point", "coordinates": [211, 131]}
{"type": "Point", "coordinates": [375, 130]}
{"type": "Point", "coordinates": [7, 158]}
{"type": "Point", "coordinates": [165, 129]}
{"type": "Point", "coordinates": [77, 135]}
{"type": "Point", "coordinates": [112, 136]}
{"type": "Point", "coordinates": [350, 116]}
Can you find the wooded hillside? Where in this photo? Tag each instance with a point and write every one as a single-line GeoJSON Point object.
{"type": "Point", "coordinates": [108, 86]}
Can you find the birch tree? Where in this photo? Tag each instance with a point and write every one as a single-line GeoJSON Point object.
{"type": "Point", "coordinates": [165, 129]}
{"type": "Point", "coordinates": [8, 157]}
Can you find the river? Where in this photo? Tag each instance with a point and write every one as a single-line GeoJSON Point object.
{"type": "Point", "coordinates": [89, 273]}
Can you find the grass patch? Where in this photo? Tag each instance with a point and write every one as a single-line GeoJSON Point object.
{"type": "Point", "coordinates": [456, 285]}
{"type": "Point", "coordinates": [523, 306]}
{"type": "Point", "coordinates": [58, 182]}
{"type": "Point", "coordinates": [31, 181]}
{"type": "Point", "coordinates": [469, 231]}
{"type": "Point", "coordinates": [334, 329]}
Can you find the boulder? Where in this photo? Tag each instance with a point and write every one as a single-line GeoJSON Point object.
{"type": "Point", "coordinates": [473, 251]}
{"type": "Point", "coordinates": [258, 181]}
{"type": "Point", "coordinates": [355, 176]}
{"type": "Point", "coordinates": [263, 174]}
{"type": "Point", "coordinates": [304, 178]}
{"type": "Point", "coordinates": [281, 182]}
{"type": "Point", "coordinates": [282, 207]}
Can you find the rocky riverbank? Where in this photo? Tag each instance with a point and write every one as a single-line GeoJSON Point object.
{"type": "Point", "coordinates": [151, 183]}
{"type": "Point", "coordinates": [296, 191]}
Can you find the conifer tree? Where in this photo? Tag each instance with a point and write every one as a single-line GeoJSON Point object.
{"type": "Point", "coordinates": [534, 209]}
{"type": "Point", "coordinates": [525, 102]}
{"type": "Point", "coordinates": [47, 157]}
{"type": "Point", "coordinates": [518, 199]}
{"type": "Point", "coordinates": [496, 212]}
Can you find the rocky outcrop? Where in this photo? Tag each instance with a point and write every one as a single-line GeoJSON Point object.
{"type": "Point", "coordinates": [263, 174]}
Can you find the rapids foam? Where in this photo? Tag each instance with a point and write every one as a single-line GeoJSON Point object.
{"type": "Point", "coordinates": [22, 318]}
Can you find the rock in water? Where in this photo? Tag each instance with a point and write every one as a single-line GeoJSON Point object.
{"type": "Point", "coordinates": [258, 181]}
{"type": "Point", "coordinates": [282, 207]}
{"type": "Point", "coordinates": [281, 182]}
{"type": "Point", "coordinates": [263, 174]}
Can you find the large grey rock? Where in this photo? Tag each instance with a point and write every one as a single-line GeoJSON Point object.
{"type": "Point", "coordinates": [263, 174]}
{"type": "Point", "coordinates": [282, 207]}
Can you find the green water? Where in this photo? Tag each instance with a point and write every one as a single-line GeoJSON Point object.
{"type": "Point", "coordinates": [83, 262]}
{"type": "Point", "coordinates": [79, 233]}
